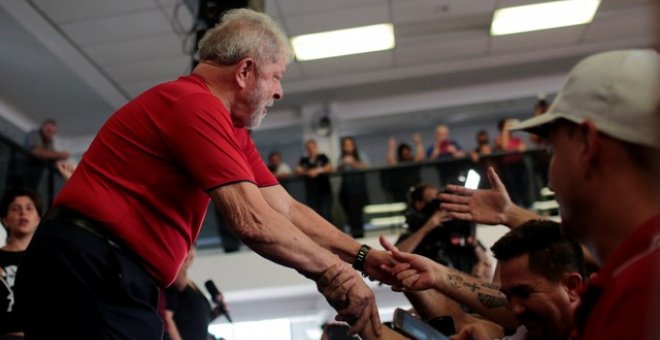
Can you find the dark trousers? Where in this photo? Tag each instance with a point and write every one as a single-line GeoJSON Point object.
{"type": "Point", "coordinates": [73, 284]}
{"type": "Point", "coordinates": [353, 204]}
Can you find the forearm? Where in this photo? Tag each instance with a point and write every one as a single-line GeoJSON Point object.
{"type": "Point", "coordinates": [323, 233]}
{"type": "Point", "coordinates": [410, 243]}
{"type": "Point", "coordinates": [268, 233]}
{"type": "Point", "coordinates": [482, 297]}
{"type": "Point", "coordinates": [49, 154]}
{"type": "Point", "coordinates": [431, 303]}
{"type": "Point", "coordinates": [172, 330]}
{"type": "Point", "coordinates": [516, 216]}
{"type": "Point", "coordinates": [391, 156]}
{"type": "Point", "coordinates": [419, 152]}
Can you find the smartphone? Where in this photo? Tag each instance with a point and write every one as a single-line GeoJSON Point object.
{"type": "Point", "coordinates": [472, 180]}
{"type": "Point", "coordinates": [415, 328]}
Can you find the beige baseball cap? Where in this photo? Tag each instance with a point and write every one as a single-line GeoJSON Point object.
{"type": "Point", "coordinates": [619, 91]}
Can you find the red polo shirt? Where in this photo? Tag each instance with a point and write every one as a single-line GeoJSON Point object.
{"type": "Point", "coordinates": [619, 303]}
{"type": "Point", "coordinates": [147, 173]}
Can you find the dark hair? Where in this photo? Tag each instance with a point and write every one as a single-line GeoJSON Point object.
{"type": "Point", "coordinates": [551, 254]}
{"type": "Point", "coordinates": [541, 103]}
{"type": "Point", "coordinates": [11, 194]}
{"type": "Point", "coordinates": [501, 122]}
{"type": "Point", "coordinates": [274, 153]}
{"type": "Point", "coordinates": [417, 193]}
{"type": "Point", "coordinates": [49, 121]}
{"type": "Point", "coordinates": [399, 150]}
{"type": "Point", "coordinates": [355, 152]}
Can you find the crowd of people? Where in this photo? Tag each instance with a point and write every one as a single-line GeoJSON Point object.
{"type": "Point", "coordinates": [315, 169]}
{"type": "Point", "coordinates": [123, 227]}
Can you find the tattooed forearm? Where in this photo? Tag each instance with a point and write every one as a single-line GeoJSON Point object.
{"type": "Point", "coordinates": [490, 285]}
{"type": "Point", "coordinates": [492, 301]}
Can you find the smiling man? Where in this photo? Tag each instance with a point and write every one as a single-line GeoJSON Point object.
{"type": "Point", "coordinates": [541, 273]}
{"type": "Point", "coordinates": [123, 224]}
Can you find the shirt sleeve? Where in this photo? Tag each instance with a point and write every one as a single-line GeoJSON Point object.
{"type": "Point", "coordinates": [201, 136]}
{"type": "Point", "coordinates": [262, 175]}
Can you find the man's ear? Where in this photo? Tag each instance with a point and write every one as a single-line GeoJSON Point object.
{"type": "Point", "coordinates": [591, 143]}
{"type": "Point", "coordinates": [245, 69]}
{"type": "Point", "coordinates": [573, 282]}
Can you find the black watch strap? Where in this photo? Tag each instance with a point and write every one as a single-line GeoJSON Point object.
{"type": "Point", "coordinates": [358, 264]}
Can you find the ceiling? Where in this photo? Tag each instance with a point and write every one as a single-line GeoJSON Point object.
{"type": "Point", "coordinates": [79, 60]}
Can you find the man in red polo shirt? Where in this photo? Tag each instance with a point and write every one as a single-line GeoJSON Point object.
{"type": "Point", "coordinates": [603, 130]}
{"type": "Point", "coordinates": [123, 224]}
{"type": "Point", "coordinates": [603, 133]}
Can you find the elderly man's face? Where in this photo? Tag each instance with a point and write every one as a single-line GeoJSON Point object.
{"type": "Point", "coordinates": [266, 89]}
{"type": "Point", "coordinates": [544, 307]}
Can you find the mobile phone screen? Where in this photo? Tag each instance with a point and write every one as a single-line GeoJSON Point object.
{"type": "Point", "coordinates": [414, 327]}
{"type": "Point", "coordinates": [472, 180]}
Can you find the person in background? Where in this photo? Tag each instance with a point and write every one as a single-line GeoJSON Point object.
{"type": "Point", "coordinates": [41, 144]}
{"type": "Point", "coordinates": [353, 194]}
{"type": "Point", "coordinates": [187, 311]}
{"type": "Point", "coordinates": [316, 167]}
{"type": "Point", "coordinates": [431, 233]}
{"type": "Point", "coordinates": [541, 160]}
{"type": "Point", "coordinates": [444, 147]}
{"type": "Point", "coordinates": [483, 148]}
{"type": "Point", "coordinates": [514, 171]}
{"type": "Point", "coordinates": [277, 166]}
{"type": "Point", "coordinates": [399, 180]}
{"type": "Point", "coordinates": [403, 153]}
{"type": "Point", "coordinates": [20, 211]}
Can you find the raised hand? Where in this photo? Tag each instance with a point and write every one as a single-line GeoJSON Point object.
{"type": "Point", "coordinates": [484, 206]}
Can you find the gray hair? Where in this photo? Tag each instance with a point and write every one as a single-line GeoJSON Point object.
{"type": "Point", "coordinates": [243, 33]}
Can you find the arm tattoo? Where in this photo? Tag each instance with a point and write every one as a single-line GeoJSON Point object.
{"type": "Point", "coordinates": [491, 301]}
{"type": "Point", "coordinates": [472, 286]}
{"type": "Point", "coordinates": [454, 281]}
{"type": "Point", "coordinates": [490, 285]}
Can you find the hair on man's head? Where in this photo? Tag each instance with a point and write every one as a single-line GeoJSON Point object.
{"type": "Point", "coordinates": [551, 254]}
{"type": "Point", "coordinates": [11, 194]}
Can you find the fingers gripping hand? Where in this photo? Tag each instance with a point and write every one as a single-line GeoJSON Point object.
{"type": "Point", "coordinates": [335, 283]}
{"type": "Point", "coordinates": [361, 311]}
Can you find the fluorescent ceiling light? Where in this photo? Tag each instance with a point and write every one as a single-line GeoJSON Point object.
{"type": "Point", "coordinates": [343, 42]}
{"type": "Point", "coordinates": [543, 16]}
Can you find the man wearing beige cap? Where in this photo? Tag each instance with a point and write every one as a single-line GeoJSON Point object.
{"type": "Point", "coordinates": [604, 134]}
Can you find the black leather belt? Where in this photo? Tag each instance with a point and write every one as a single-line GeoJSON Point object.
{"type": "Point", "coordinates": [82, 222]}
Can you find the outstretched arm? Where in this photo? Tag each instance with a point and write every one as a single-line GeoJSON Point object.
{"type": "Point", "coordinates": [416, 272]}
{"type": "Point", "coordinates": [490, 206]}
{"type": "Point", "coordinates": [274, 237]}
{"type": "Point", "coordinates": [325, 234]}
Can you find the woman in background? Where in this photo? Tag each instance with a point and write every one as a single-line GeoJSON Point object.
{"type": "Point", "coordinates": [353, 192]}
